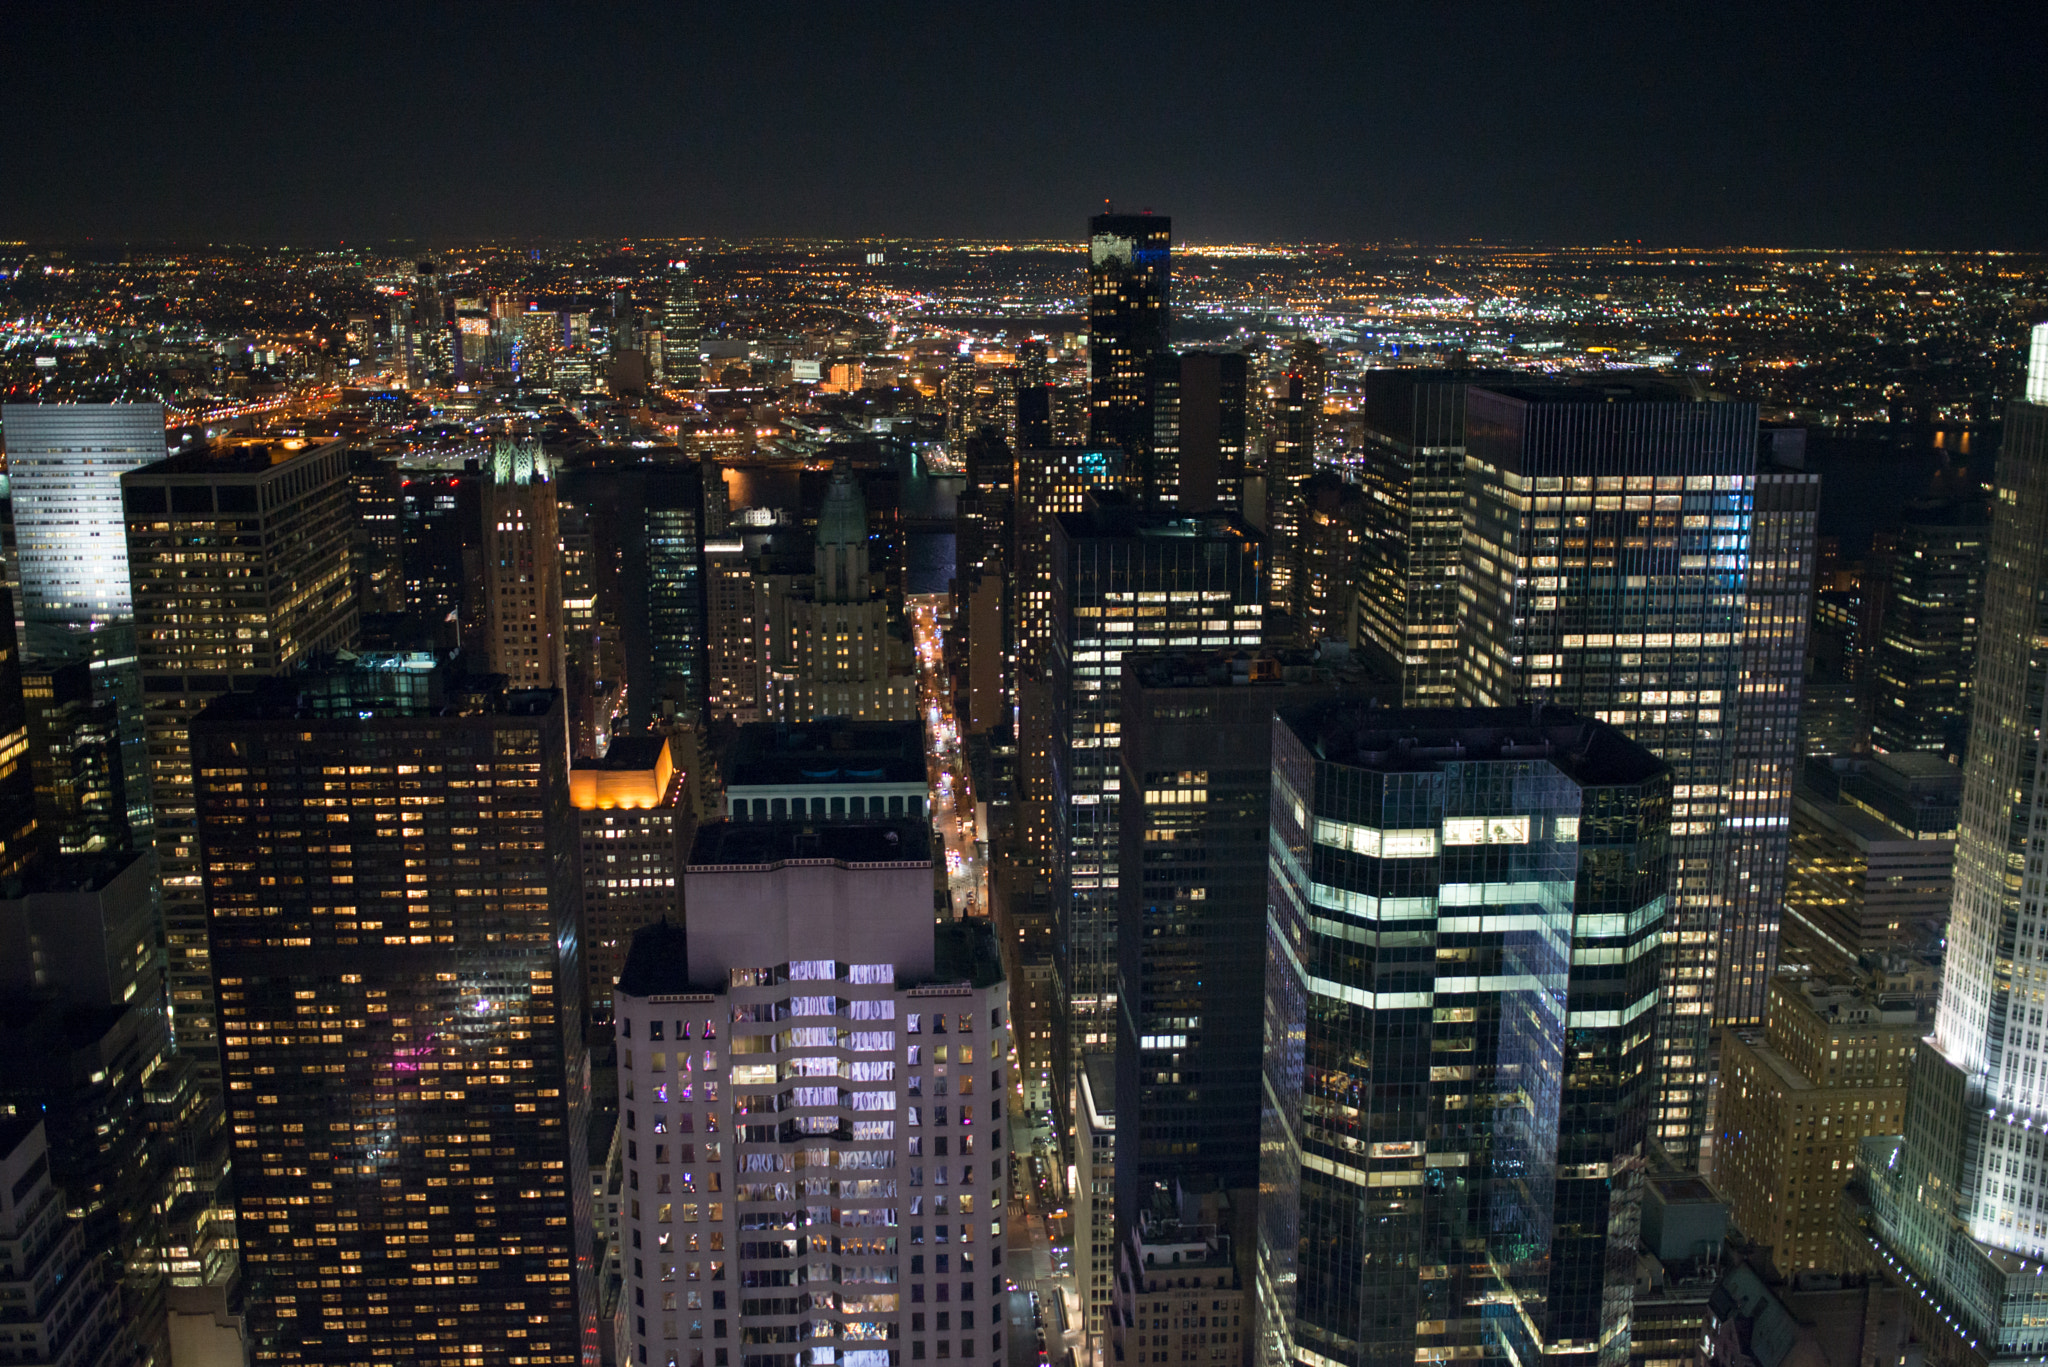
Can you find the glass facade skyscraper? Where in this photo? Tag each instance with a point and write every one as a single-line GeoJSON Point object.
{"type": "Point", "coordinates": [64, 465]}
{"type": "Point", "coordinates": [1611, 549]}
{"type": "Point", "coordinates": [391, 870]}
{"type": "Point", "coordinates": [1123, 579]}
{"type": "Point", "coordinates": [675, 586]}
{"type": "Point", "coordinates": [1130, 270]}
{"type": "Point", "coordinates": [1466, 914]}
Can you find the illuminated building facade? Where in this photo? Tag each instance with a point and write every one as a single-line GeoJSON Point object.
{"type": "Point", "coordinates": [1130, 271]}
{"type": "Point", "coordinates": [1411, 538]}
{"type": "Point", "coordinates": [1961, 1201]}
{"type": "Point", "coordinates": [682, 331]}
{"type": "Point", "coordinates": [1920, 664]}
{"type": "Point", "coordinates": [239, 554]}
{"type": "Point", "coordinates": [675, 585]}
{"type": "Point", "coordinates": [812, 1090]}
{"type": "Point", "coordinates": [1871, 869]}
{"type": "Point", "coordinates": [733, 655]}
{"type": "Point", "coordinates": [1192, 801]}
{"type": "Point", "coordinates": [1466, 915]}
{"type": "Point", "coordinates": [1198, 431]}
{"type": "Point", "coordinates": [522, 567]}
{"type": "Point", "coordinates": [1123, 579]}
{"type": "Point", "coordinates": [1797, 1098]}
{"type": "Point", "coordinates": [1612, 539]}
{"type": "Point", "coordinates": [64, 468]}
{"type": "Point", "coordinates": [636, 834]}
{"type": "Point", "coordinates": [391, 871]}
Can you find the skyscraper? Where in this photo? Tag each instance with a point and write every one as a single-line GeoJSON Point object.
{"type": "Point", "coordinates": [675, 586]}
{"type": "Point", "coordinates": [1198, 431]}
{"type": "Point", "coordinates": [391, 867]}
{"type": "Point", "coordinates": [523, 567]}
{"type": "Point", "coordinates": [682, 330]}
{"type": "Point", "coordinates": [1123, 579]}
{"type": "Point", "coordinates": [812, 1091]}
{"type": "Point", "coordinates": [1927, 641]}
{"type": "Point", "coordinates": [1466, 912]}
{"type": "Point", "coordinates": [1961, 1202]}
{"type": "Point", "coordinates": [636, 832]}
{"type": "Point", "coordinates": [64, 467]}
{"type": "Point", "coordinates": [1193, 800]}
{"type": "Point", "coordinates": [239, 553]}
{"type": "Point", "coordinates": [1130, 272]}
{"type": "Point", "coordinates": [1611, 542]}
{"type": "Point", "coordinates": [1411, 541]}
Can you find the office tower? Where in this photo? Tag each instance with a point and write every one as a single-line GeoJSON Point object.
{"type": "Point", "coordinates": [636, 832]}
{"type": "Point", "coordinates": [64, 468]}
{"type": "Point", "coordinates": [1057, 480]}
{"type": "Point", "coordinates": [390, 852]}
{"type": "Point", "coordinates": [797, 1189]}
{"type": "Point", "coordinates": [984, 524]}
{"type": "Point", "coordinates": [377, 542]}
{"type": "Point", "coordinates": [1607, 537]}
{"type": "Point", "coordinates": [20, 838]}
{"type": "Point", "coordinates": [980, 392]}
{"type": "Point", "coordinates": [1921, 661]}
{"type": "Point", "coordinates": [522, 563]}
{"type": "Point", "coordinates": [682, 330]}
{"type": "Point", "coordinates": [1777, 595]}
{"type": "Point", "coordinates": [361, 337]}
{"type": "Point", "coordinates": [1872, 863]}
{"type": "Point", "coordinates": [1958, 1202]}
{"type": "Point", "coordinates": [675, 586]}
{"type": "Point", "coordinates": [1094, 1194]}
{"type": "Point", "coordinates": [74, 757]}
{"type": "Point", "coordinates": [1411, 544]}
{"type": "Point", "coordinates": [1122, 579]}
{"type": "Point", "coordinates": [593, 629]}
{"type": "Point", "coordinates": [1198, 431]}
{"type": "Point", "coordinates": [1797, 1098]}
{"type": "Point", "coordinates": [442, 537]}
{"type": "Point", "coordinates": [63, 1307]}
{"type": "Point", "coordinates": [84, 1044]}
{"type": "Point", "coordinates": [1130, 272]}
{"type": "Point", "coordinates": [835, 770]}
{"type": "Point", "coordinates": [540, 337]}
{"type": "Point", "coordinates": [1333, 515]}
{"type": "Point", "coordinates": [1180, 1295]}
{"type": "Point", "coordinates": [432, 342]}
{"type": "Point", "coordinates": [831, 644]}
{"type": "Point", "coordinates": [1467, 909]}
{"type": "Point", "coordinates": [1296, 422]}
{"type": "Point", "coordinates": [210, 617]}
{"type": "Point", "coordinates": [731, 630]}
{"type": "Point", "coordinates": [1193, 793]}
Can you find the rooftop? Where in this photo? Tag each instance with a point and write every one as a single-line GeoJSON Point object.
{"type": "Point", "coordinates": [658, 962]}
{"type": "Point", "coordinates": [776, 753]}
{"type": "Point", "coordinates": [351, 688]}
{"type": "Point", "coordinates": [1420, 740]}
{"type": "Point", "coordinates": [757, 844]}
{"type": "Point", "coordinates": [236, 456]}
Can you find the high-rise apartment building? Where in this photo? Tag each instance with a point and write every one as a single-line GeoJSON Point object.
{"type": "Point", "coordinates": [732, 628]}
{"type": "Point", "coordinates": [1130, 271]}
{"type": "Point", "coordinates": [812, 1091]}
{"type": "Point", "coordinates": [1797, 1099]}
{"type": "Point", "coordinates": [64, 468]}
{"type": "Point", "coordinates": [1192, 801]}
{"type": "Point", "coordinates": [1296, 425]}
{"type": "Point", "coordinates": [1467, 910]}
{"type": "Point", "coordinates": [1921, 662]}
{"type": "Point", "coordinates": [1333, 515]}
{"type": "Point", "coordinates": [522, 567]}
{"type": "Point", "coordinates": [1411, 542]}
{"type": "Point", "coordinates": [682, 330]}
{"type": "Point", "coordinates": [636, 831]}
{"type": "Point", "coordinates": [1123, 579]}
{"type": "Point", "coordinates": [1960, 1203]}
{"type": "Point", "coordinates": [1622, 557]}
{"type": "Point", "coordinates": [1198, 431]}
{"type": "Point", "coordinates": [391, 870]}
{"type": "Point", "coordinates": [239, 555]}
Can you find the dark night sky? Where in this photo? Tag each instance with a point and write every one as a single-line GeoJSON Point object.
{"type": "Point", "coordinates": [1790, 124]}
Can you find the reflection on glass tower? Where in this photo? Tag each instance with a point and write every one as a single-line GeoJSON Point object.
{"type": "Point", "coordinates": [1466, 913]}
